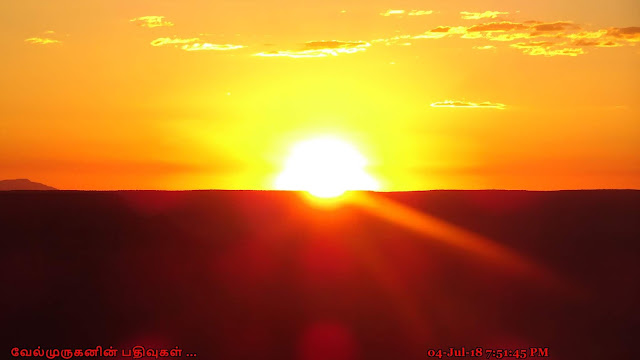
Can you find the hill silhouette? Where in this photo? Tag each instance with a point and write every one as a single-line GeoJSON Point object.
{"type": "Point", "coordinates": [23, 184]}
{"type": "Point", "coordinates": [268, 275]}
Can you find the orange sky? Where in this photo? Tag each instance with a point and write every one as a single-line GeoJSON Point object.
{"type": "Point", "coordinates": [167, 94]}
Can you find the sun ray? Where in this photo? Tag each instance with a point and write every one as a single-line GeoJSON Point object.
{"type": "Point", "coordinates": [440, 230]}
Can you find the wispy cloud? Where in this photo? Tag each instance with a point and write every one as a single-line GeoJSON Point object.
{"type": "Point", "coordinates": [627, 33]}
{"type": "Point", "coordinates": [600, 38]}
{"type": "Point", "coordinates": [483, 15]}
{"type": "Point", "coordinates": [587, 34]}
{"type": "Point", "coordinates": [485, 47]}
{"type": "Point", "coordinates": [596, 43]}
{"type": "Point", "coordinates": [466, 104]}
{"type": "Point", "coordinates": [47, 38]}
{"type": "Point", "coordinates": [532, 44]}
{"type": "Point", "coordinates": [172, 41]}
{"type": "Point", "coordinates": [323, 48]}
{"type": "Point", "coordinates": [210, 47]}
{"type": "Point", "coordinates": [546, 48]}
{"type": "Point", "coordinates": [501, 31]}
{"type": "Point", "coordinates": [497, 26]}
{"type": "Point", "coordinates": [391, 12]}
{"type": "Point", "coordinates": [555, 26]}
{"type": "Point", "coordinates": [151, 21]}
{"type": "Point", "coordinates": [420, 12]}
{"type": "Point", "coordinates": [559, 38]}
{"type": "Point", "coordinates": [441, 31]}
{"type": "Point", "coordinates": [42, 41]}
{"type": "Point", "coordinates": [193, 44]}
{"type": "Point", "coordinates": [334, 44]}
{"type": "Point", "coordinates": [504, 37]}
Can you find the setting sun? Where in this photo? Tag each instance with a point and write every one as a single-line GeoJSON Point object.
{"type": "Point", "coordinates": [325, 167]}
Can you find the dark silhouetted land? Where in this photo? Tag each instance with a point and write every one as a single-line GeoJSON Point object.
{"type": "Point", "coordinates": [267, 275]}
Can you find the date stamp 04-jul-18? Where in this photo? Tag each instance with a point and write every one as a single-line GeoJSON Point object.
{"type": "Point", "coordinates": [488, 353]}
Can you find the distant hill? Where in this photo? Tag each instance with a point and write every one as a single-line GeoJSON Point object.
{"type": "Point", "coordinates": [23, 184]}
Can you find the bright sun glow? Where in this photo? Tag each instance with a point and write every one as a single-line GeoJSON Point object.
{"type": "Point", "coordinates": [325, 167]}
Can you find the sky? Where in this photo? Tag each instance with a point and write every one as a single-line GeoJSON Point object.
{"type": "Point", "coordinates": [177, 94]}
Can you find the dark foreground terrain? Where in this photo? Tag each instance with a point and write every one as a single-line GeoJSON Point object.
{"type": "Point", "coordinates": [268, 275]}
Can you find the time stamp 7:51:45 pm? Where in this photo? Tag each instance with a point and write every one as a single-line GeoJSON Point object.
{"type": "Point", "coordinates": [488, 353]}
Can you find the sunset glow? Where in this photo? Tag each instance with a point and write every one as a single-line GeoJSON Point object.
{"type": "Point", "coordinates": [177, 95]}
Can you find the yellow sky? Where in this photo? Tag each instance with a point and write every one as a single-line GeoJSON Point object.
{"type": "Point", "coordinates": [167, 94]}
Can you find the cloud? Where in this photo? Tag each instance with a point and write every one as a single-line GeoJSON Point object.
{"type": "Point", "coordinates": [42, 41]}
{"type": "Point", "coordinates": [533, 44]}
{"type": "Point", "coordinates": [47, 38]}
{"type": "Point", "coordinates": [193, 44]}
{"type": "Point", "coordinates": [555, 26]}
{"type": "Point", "coordinates": [208, 47]}
{"type": "Point", "coordinates": [420, 12]}
{"type": "Point", "coordinates": [556, 52]}
{"type": "Point", "coordinates": [587, 34]}
{"type": "Point", "coordinates": [466, 104]}
{"type": "Point", "coordinates": [547, 48]}
{"type": "Point", "coordinates": [391, 12]}
{"type": "Point", "coordinates": [440, 32]}
{"type": "Point", "coordinates": [628, 33]}
{"type": "Point", "coordinates": [559, 38]}
{"type": "Point", "coordinates": [441, 29]}
{"type": "Point", "coordinates": [172, 41]}
{"type": "Point", "coordinates": [596, 43]}
{"type": "Point", "coordinates": [485, 15]}
{"type": "Point", "coordinates": [532, 37]}
{"type": "Point", "coordinates": [334, 44]}
{"type": "Point", "coordinates": [485, 47]}
{"type": "Point", "coordinates": [498, 26]}
{"type": "Point", "coordinates": [320, 49]}
{"type": "Point", "coordinates": [503, 30]}
{"type": "Point", "coordinates": [151, 21]}
{"type": "Point", "coordinates": [506, 36]}
{"type": "Point", "coordinates": [547, 29]}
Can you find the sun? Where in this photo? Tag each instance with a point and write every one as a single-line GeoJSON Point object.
{"type": "Point", "coordinates": [325, 167]}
